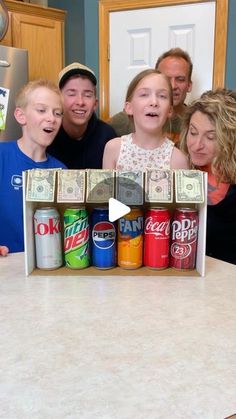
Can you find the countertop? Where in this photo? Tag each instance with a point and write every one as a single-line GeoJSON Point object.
{"type": "Point", "coordinates": [117, 347]}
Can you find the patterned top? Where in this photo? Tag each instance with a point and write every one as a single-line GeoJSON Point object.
{"type": "Point", "coordinates": [134, 157]}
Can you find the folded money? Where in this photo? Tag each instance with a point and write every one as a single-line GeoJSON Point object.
{"type": "Point", "coordinates": [71, 186]}
{"type": "Point", "coordinates": [41, 185]}
{"type": "Point", "coordinates": [158, 185]}
{"type": "Point", "coordinates": [189, 186]}
{"type": "Point", "coordinates": [129, 187]}
{"type": "Point", "coordinates": [100, 185]}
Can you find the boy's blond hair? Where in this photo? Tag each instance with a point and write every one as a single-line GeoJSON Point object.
{"type": "Point", "coordinates": [22, 97]}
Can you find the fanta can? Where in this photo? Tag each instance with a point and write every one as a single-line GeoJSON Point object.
{"type": "Point", "coordinates": [103, 243]}
{"type": "Point", "coordinates": [76, 238]}
{"type": "Point", "coordinates": [130, 240]}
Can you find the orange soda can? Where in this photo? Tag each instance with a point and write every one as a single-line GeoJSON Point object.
{"type": "Point", "coordinates": [130, 240]}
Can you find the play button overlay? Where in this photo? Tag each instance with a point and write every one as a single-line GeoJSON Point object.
{"type": "Point", "coordinates": [117, 209]}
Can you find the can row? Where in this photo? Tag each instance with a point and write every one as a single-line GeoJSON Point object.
{"type": "Point", "coordinates": [153, 239]}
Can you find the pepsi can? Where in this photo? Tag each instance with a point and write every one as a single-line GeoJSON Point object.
{"type": "Point", "coordinates": [103, 243]}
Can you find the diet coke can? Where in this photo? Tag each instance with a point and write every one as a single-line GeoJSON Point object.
{"type": "Point", "coordinates": [47, 232]}
{"type": "Point", "coordinates": [157, 238]}
{"type": "Point", "coordinates": [184, 233]}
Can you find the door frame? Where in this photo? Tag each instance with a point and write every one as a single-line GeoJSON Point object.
{"type": "Point", "coordinates": [107, 6]}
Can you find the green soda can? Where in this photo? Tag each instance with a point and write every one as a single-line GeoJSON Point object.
{"type": "Point", "coordinates": [76, 238]}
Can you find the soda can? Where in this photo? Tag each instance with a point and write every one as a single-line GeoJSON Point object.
{"type": "Point", "coordinates": [130, 240]}
{"type": "Point", "coordinates": [184, 238]}
{"type": "Point", "coordinates": [157, 238]}
{"type": "Point", "coordinates": [76, 238]}
{"type": "Point", "coordinates": [47, 233]}
{"type": "Point", "coordinates": [103, 242]}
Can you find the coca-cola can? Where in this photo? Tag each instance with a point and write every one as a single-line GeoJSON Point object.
{"type": "Point", "coordinates": [157, 238]}
{"type": "Point", "coordinates": [184, 233]}
{"type": "Point", "coordinates": [47, 233]}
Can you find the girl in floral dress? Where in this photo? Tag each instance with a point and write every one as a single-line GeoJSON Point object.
{"type": "Point", "coordinates": [149, 102]}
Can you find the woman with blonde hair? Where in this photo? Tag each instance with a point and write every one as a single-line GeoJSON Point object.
{"type": "Point", "coordinates": [209, 137]}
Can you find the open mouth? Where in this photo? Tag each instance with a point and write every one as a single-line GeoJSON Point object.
{"type": "Point", "coordinates": [48, 130]}
{"type": "Point", "coordinates": [79, 112]}
{"type": "Point", "coordinates": [152, 114]}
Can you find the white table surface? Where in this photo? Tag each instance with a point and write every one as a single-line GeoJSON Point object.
{"type": "Point", "coordinates": [117, 347]}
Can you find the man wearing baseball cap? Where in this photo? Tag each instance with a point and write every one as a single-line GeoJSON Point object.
{"type": "Point", "coordinates": [82, 137]}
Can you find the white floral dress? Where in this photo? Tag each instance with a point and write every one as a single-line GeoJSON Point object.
{"type": "Point", "coordinates": [134, 157]}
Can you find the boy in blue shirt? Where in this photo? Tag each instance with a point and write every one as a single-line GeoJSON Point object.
{"type": "Point", "coordinates": [39, 110]}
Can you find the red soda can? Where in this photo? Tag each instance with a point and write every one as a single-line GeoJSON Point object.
{"type": "Point", "coordinates": [157, 238]}
{"type": "Point", "coordinates": [47, 233]}
{"type": "Point", "coordinates": [184, 233]}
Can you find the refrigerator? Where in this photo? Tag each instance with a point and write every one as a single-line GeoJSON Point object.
{"type": "Point", "coordinates": [13, 75]}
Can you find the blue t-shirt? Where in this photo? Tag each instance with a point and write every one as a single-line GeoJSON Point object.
{"type": "Point", "coordinates": [12, 163]}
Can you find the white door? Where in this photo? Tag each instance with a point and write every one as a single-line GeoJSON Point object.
{"type": "Point", "coordinates": [138, 37]}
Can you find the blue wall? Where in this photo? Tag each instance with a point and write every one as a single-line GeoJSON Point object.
{"type": "Point", "coordinates": [81, 35]}
{"type": "Point", "coordinates": [81, 31]}
{"type": "Point", "coordinates": [91, 33]}
{"type": "Point", "coordinates": [74, 29]}
{"type": "Point", "coordinates": [230, 79]}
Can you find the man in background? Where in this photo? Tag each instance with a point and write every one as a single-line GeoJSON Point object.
{"type": "Point", "coordinates": [82, 137]}
{"type": "Point", "coordinates": [177, 65]}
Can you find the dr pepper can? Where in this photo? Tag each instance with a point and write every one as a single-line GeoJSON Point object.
{"type": "Point", "coordinates": [47, 233]}
{"type": "Point", "coordinates": [130, 240]}
{"type": "Point", "coordinates": [184, 234]}
{"type": "Point", "coordinates": [157, 238]}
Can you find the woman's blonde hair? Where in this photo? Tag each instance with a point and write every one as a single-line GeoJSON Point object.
{"type": "Point", "coordinates": [220, 107]}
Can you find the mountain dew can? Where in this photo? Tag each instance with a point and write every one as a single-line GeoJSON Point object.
{"type": "Point", "coordinates": [76, 238]}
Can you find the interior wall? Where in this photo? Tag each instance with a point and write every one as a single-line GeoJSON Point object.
{"type": "Point", "coordinates": [74, 29]}
{"type": "Point", "coordinates": [81, 35]}
{"type": "Point", "coordinates": [91, 34]}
